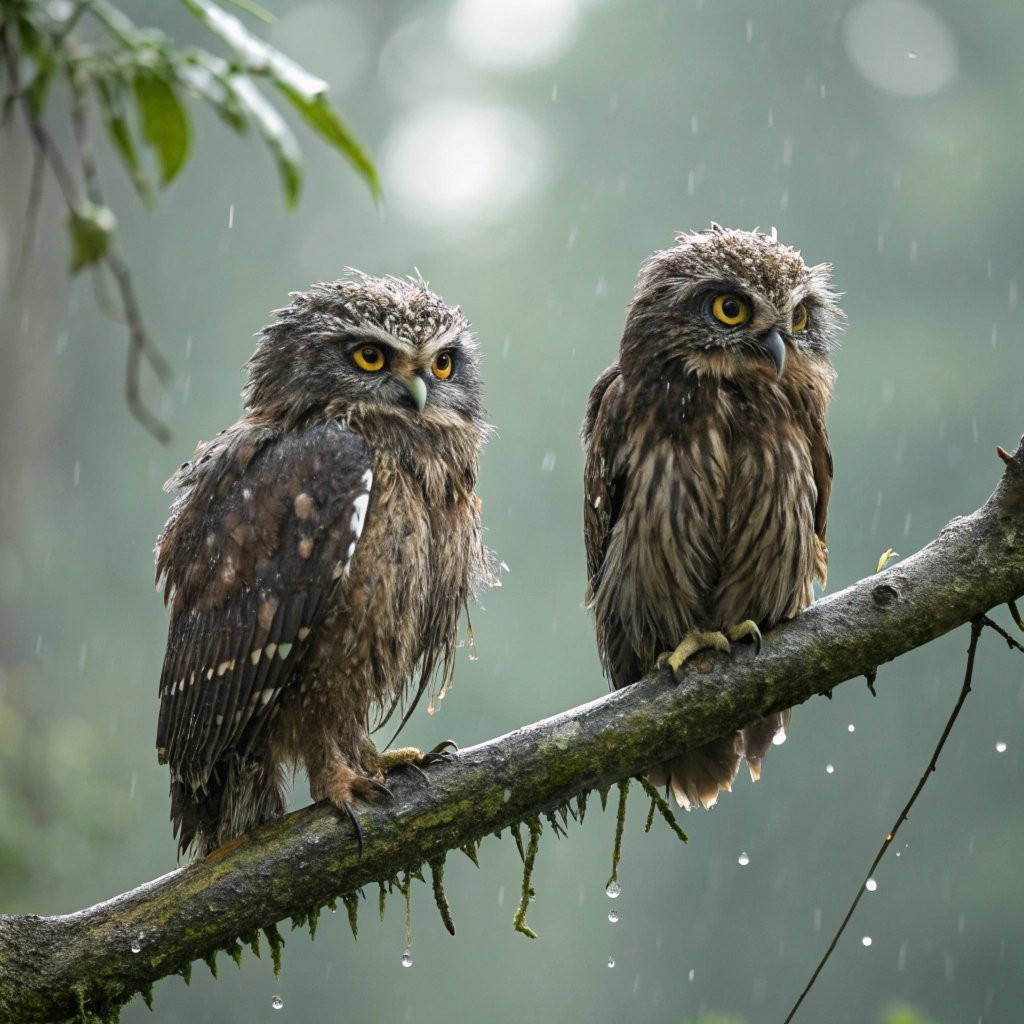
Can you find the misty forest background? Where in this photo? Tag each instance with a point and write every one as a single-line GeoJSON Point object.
{"type": "Point", "coordinates": [531, 155]}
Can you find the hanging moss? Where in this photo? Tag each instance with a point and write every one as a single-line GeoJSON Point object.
{"type": "Point", "coordinates": [351, 902]}
{"type": "Point", "coordinates": [276, 943]}
{"type": "Point", "coordinates": [659, 802]}
{"type": "Point", "coordinates": [519, 921]}
{"type": "Point", "coordinates": [440, 899]}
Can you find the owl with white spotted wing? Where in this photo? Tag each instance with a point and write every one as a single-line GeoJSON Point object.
{"type": "Point", "coordinates": [319, 555]}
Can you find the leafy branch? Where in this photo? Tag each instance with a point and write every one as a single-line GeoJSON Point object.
{"type": "Point", "coordinates": [136, 80]}
{"type": "Point", "coordinates": [71, 966]}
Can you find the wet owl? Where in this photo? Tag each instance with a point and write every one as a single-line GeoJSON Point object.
{"type": "Point", "coordinates": [708, 470]}
{"type": "Point", "coordinates": [319, 554]}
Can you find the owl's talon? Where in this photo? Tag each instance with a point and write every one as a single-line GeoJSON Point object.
{"type": "Point", "coordinates": [380, 788]}
{"type": "Point", "coordinates": [443, 753]}
{"type": "Point", "coordinates": [694, 641]}
{"type": "Point", "coordinates": [747, 628]}
{"type": "Point", "coordinates": [356, 826]}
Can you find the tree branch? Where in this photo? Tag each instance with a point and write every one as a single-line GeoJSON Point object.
{"type": "Point", "coordinates": [60, 967]}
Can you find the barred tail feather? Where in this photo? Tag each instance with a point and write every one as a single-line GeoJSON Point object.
{"type": "Point", "coordinates": [238, 795]}
{"type": "Point", "coordinates": [698, 776]}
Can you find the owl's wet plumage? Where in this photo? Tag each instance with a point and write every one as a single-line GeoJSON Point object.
{"type": "Point", "coordinates": [708, 468]}
{"type": "Point", "coordinates": [319, 555]}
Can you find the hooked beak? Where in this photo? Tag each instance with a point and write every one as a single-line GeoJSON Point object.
{"type": "Point", "coordinates": [771, 341]}
{"type": "Point", "coordinates": [417, 389]}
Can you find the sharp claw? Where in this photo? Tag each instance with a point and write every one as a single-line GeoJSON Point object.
{"type": "Point", "coordinates": [358, 828]}
{"type": "Point", "coordinates": [381, 788]}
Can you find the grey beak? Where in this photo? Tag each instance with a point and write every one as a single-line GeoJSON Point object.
{"type": "Point", "coordinates": [417, 390]}
{"type": "Point", "coordinates": [771, 341]}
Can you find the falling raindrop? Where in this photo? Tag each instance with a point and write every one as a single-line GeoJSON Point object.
{"type": "Point", "coordinates": [744, 860]}
{"type": "Point", "coordinates": [277, 1002]}
{"type": "Point", "coordinates": [871, 885]}
{"type": "Point", "coordinates": [613, 890]}
{"type": "Point", "coordinates": [611, 961]}
{"type": "Point", "coordinates": [613, 916]}
{"type": "Point", "coordinates": [136, 946]}
{"type": "Point", "coordinates": [547, 464]}
{"type": "Point", "coordinates": [830, 768]}
{"type": "Point", "coordinates": [866, 941]}
{"type": "Point", "coordinates": [689, 977]}
{"type": "Point", "coordinates": [1000, 747]}
{"type": "Point", "coordinates": [407, 958]}
{"type": "Point", "coordinates": [851, 728]}
{"type": "Point", "coordinates": [911, 55]}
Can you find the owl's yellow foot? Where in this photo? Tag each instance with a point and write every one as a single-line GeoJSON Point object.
{"type": "Point", "coordinates": [694, 641]}
{"type": "Point", "coordinates": [746, 628]}
{"type": "Point", "coordinates": [411, 757]}
{"type": "Point", "coordinates": [700, 640]}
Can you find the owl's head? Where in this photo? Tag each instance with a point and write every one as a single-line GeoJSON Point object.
{"type": "Point", "coordinates": [726, 302]}
{"type": "Point", "coordinates": [380, 346]}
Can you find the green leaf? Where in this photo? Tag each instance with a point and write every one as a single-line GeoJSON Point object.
{"type": "Point", "coordinates": [164, 122]}
{"type": "Point", "coordinates": [322, 117]}
{"type": "Point", "coordinates": [208, 77]}
{"type": "Point", "coordinates": [275, 133]}
{"type": "Point", "coordinates": [306, 93]}
{"type": "Point", "coordinates": [111, 98]}
{"type": "Point", "coordinates": [92, 228]}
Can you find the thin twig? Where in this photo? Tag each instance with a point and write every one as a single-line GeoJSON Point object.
{"type": "Point", "coordinates": [976, 627]}
{"type": "Point", "coordinates": [1011, 641]}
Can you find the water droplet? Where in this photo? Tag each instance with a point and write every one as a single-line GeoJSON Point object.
{"type": "Point", "coordinates": [407, 958]}
{"type": "Point", "coordinates": [911, 54]}
{"type": "Point", "coordinates": [611, 961]}
{"type": "Point", "coordinates": [1000, 747]}
{"type": "Point", "coordinates": [547, 464]}
{"type": "Point", "coordinates": [613, 890]}
{"type": "Point", "coordinates": [744, 860]}
{"type": "Point", "coordinates": [613, 916]}
{"type": "Point", "coordinates": [871, 885]}
{"type": "Point", "coordinates": [830, 768]}
{"type": "Point", "coordinates": [866, 941]}
{"type": "Point", "coordinates": [136, 946]}
{"type": "Point", "coordinates": [851, 727]}
{"type": "Point", "coordinates": [690, 975]}
{"type": "Point", "coordinates": [277, 1002]}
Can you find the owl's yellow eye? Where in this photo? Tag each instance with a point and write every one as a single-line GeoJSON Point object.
{"type": "Point", "coordinates": [730, 309]}
{"type": "Point", "coordinates": [442, 365]}
{"type": "Point", "coordinates": [800, 318]}
{"type": "Point", "coordinates": [369, 358]}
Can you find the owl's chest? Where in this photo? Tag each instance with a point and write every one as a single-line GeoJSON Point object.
{"type": "Point", "coordinates": [723, 509]}
{"type": "Point", "coordinates": [387, 612]}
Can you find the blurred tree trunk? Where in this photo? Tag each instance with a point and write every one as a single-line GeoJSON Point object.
{"type": "Point", "coordinates": [54, 968]}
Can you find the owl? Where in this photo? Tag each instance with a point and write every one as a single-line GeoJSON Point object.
{"type": "Point", "coordinates": [708, 470]}
{"type": "Point", "coordinates": [319, 554]}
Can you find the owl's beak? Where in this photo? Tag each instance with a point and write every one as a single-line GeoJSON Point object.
{"type": "Point", "coordinates": [417, 389]}
{"type": "Point", "coordinates": [771, 341]}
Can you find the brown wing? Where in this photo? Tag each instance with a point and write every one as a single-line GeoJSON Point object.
{"type": "Point", "coordinates": [821, 465]}
{"type": "Point", "coordinates": [601, 498]}
{"type": "Point", "coordinates": [252, 561]}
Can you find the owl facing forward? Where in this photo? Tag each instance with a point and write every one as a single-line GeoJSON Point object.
{"type": "Point", "coordinates": [319, 554]}
{"type": "Point", "coordinates": [708, 470]}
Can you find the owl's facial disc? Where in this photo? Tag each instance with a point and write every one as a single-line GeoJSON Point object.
{"type": "Point", "coordinates": [772, 343]}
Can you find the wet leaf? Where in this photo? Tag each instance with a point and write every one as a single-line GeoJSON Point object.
{"type": "Point", "coordinates": [164, 122]}
{"type": "Point", "coordinates": [120, 133]}
{"type": "Point", "coordinates": [886, 556]}
{"type": "Point", "coordinates": [91, 229]}
{"type": "Point", "coordinates": [275, 133]}
{"type": "Point", "coordinates": [304, 91]}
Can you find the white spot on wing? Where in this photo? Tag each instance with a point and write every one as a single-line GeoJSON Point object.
{"type": "Point", "coordinates": [271, 650]}
{"type": "Point", "coordinates": [303, 632]}
{"type": "Point", "coordinates": [359, 514]}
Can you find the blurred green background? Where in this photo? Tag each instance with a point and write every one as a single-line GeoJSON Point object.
{"type": "Point", "coordinates": [532, 154]}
